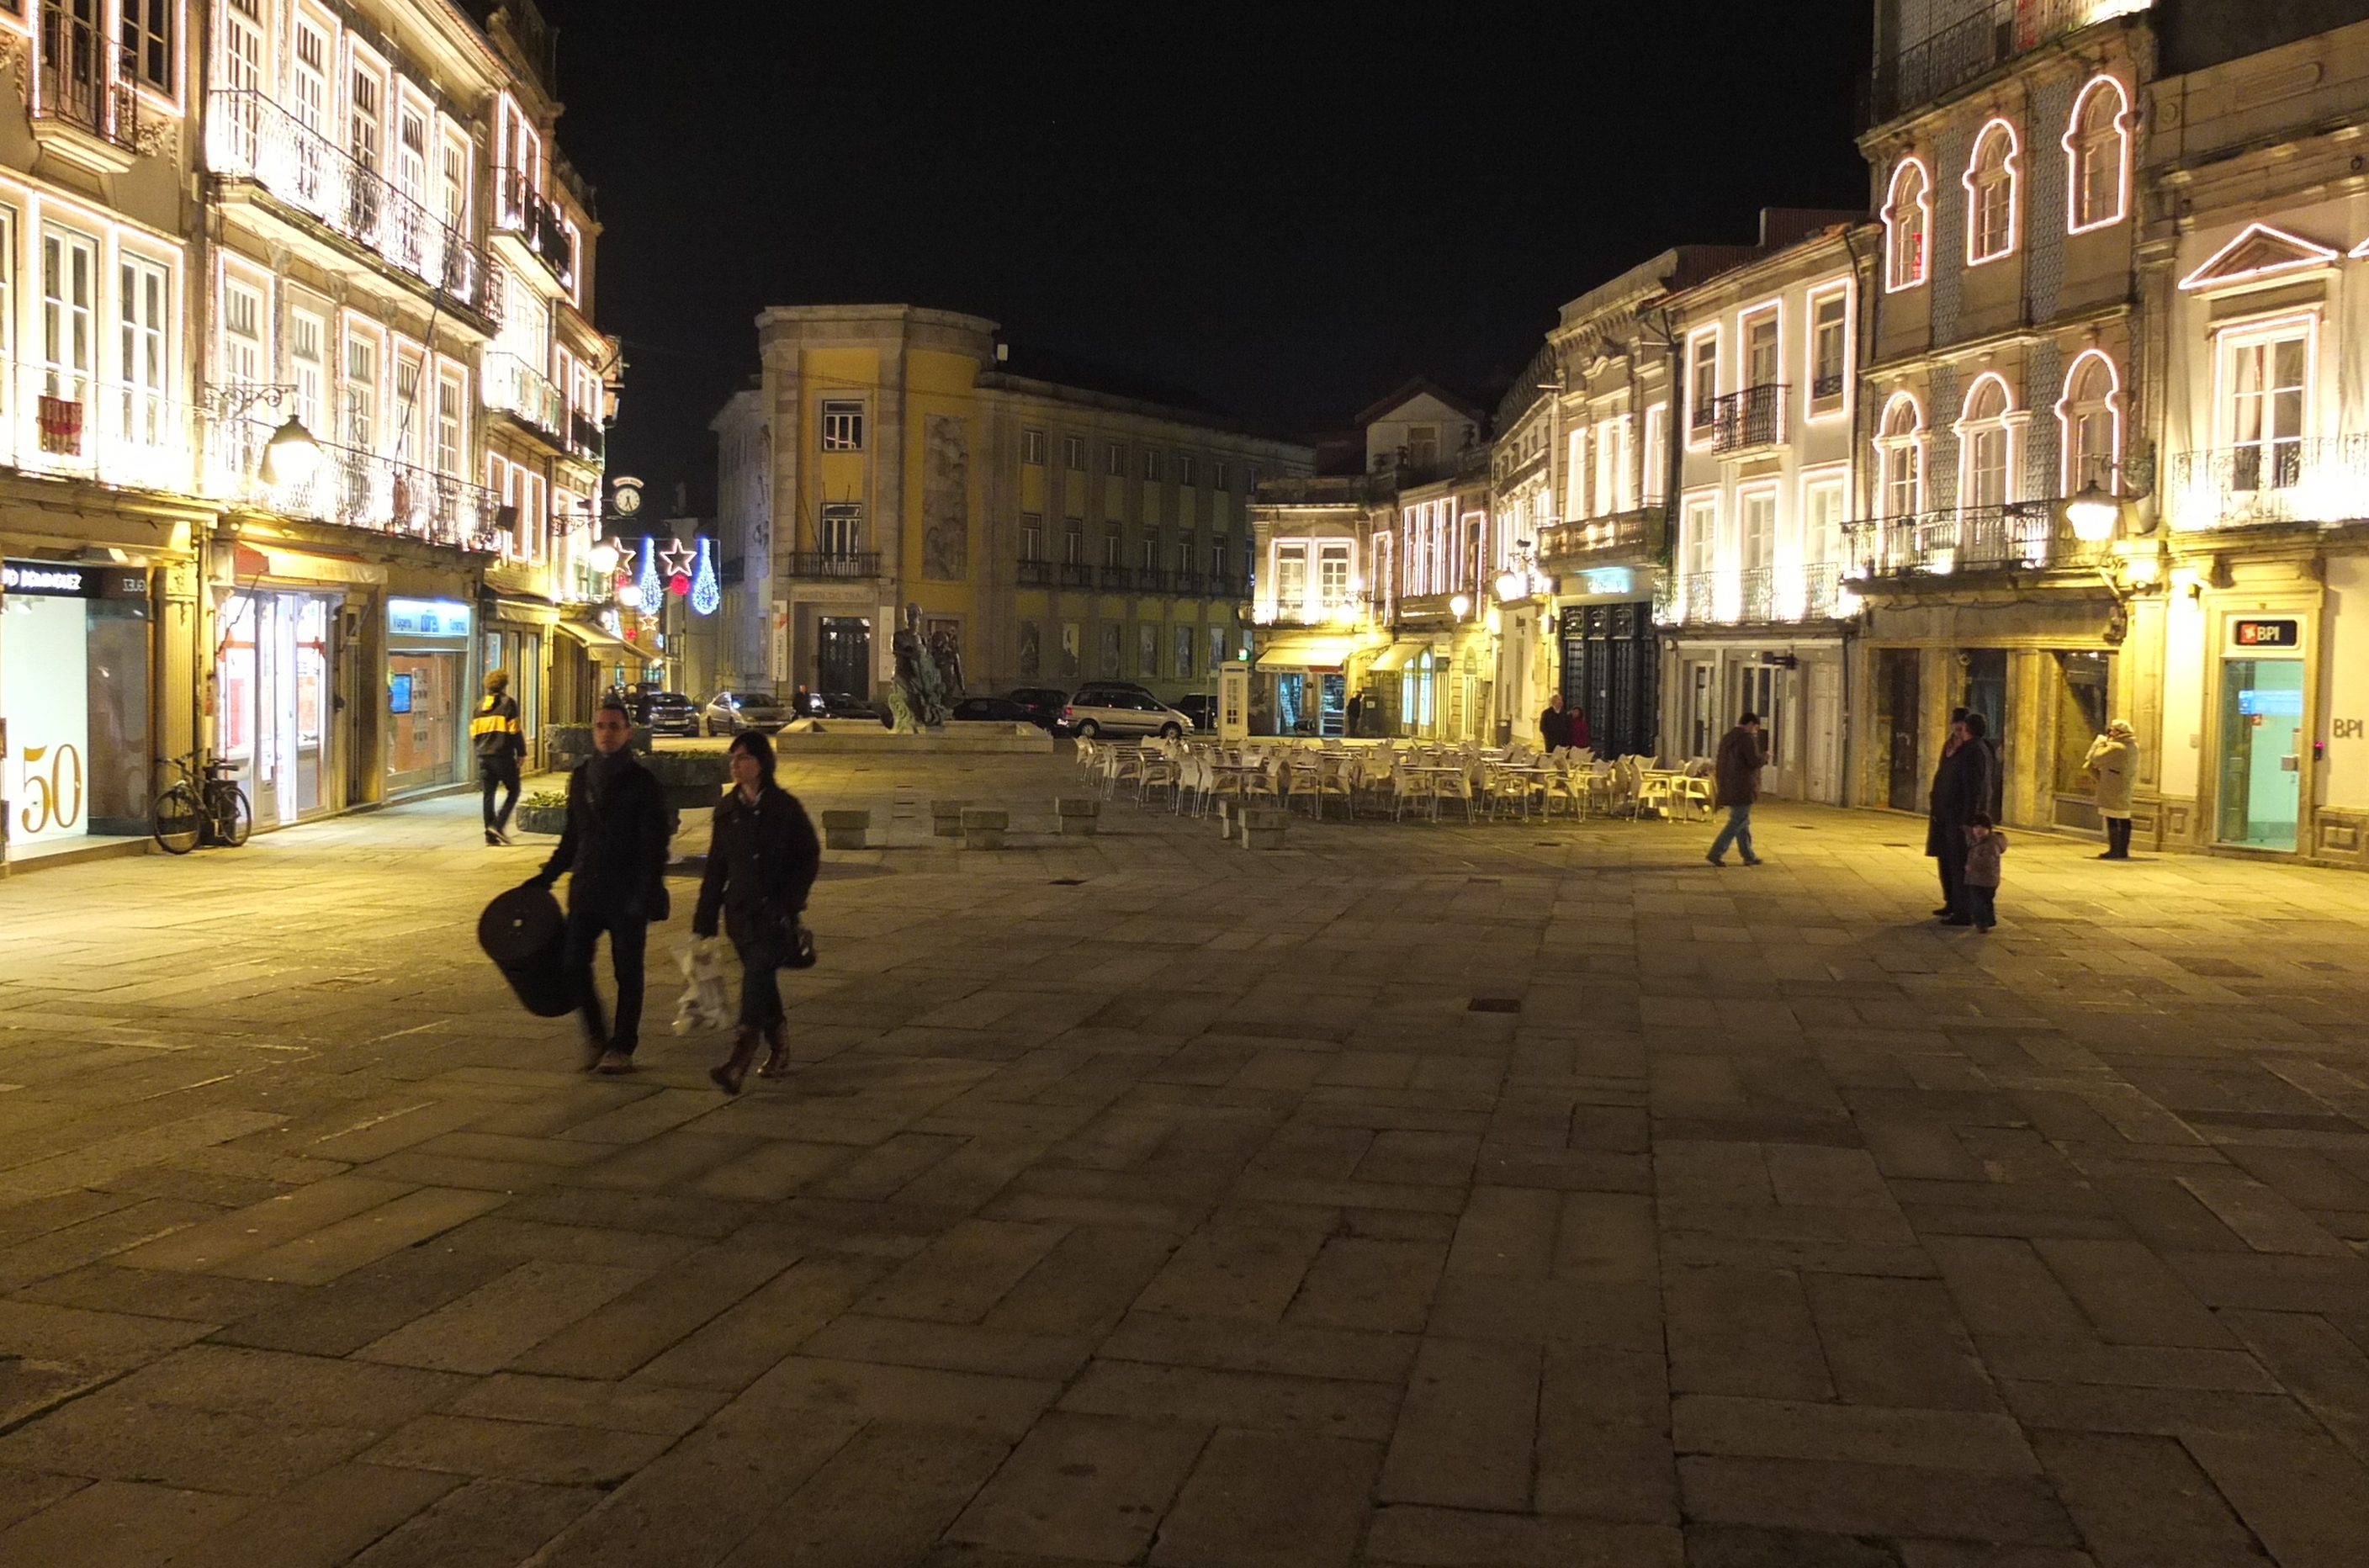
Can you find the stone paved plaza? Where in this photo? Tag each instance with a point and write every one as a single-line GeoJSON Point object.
{"type": "Point", "coordinates": [1415, 1196]}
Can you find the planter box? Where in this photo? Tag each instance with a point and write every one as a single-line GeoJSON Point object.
{"type": "Point", "coordinates": [983, 830]}
{"type": "Point", "coordinates": [1263, 827]}
{"type": "Point", "coordinates": [1079, 815]}
{"type": "Point", "coordinates": [541, 816]}
{"type": "Point", "coordinates": [846, 830]}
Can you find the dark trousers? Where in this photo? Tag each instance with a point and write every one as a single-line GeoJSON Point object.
{"type": "Point", "coordinates": [498, 772]}
{"type": "Point", "coordinates": [760, 985]}
{"type": "Point", "coordinates": [2118, 836]}
{"type": "Point", "coordinates": [1982, 905]}
{"type": "Point", "coordinates": [628, 937]}
{"type": "Point", "coordinates": [1954, 875]}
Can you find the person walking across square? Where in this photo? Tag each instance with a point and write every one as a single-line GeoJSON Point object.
{"type": "Point", "coordinates": [1985, 845]}
{"type": "Point", "coordinates": [496, 742]}
{"type": "Point", "coordinates": [1554, 724]}
{"type": "Point", "coordinates": [615, 850]}
{"type": "Point", "coordinates": [762, 857]}
{"type": "Point", "coordinates": [1735, 777]}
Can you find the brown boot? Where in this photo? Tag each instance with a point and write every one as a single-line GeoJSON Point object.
{"type": "Point", "coordinates": [777, 1060]}
{"type": "Point", "coordinates": [733, 1073]}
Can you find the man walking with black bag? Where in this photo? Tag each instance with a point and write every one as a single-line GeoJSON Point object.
{"type": "Point", "coordinates": [616, 846]}
{"type": "Point", "coordinates": [498, 743]}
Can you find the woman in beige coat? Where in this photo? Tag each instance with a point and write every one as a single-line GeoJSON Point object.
{"type": "Point", "coordinates": [2114, 762]}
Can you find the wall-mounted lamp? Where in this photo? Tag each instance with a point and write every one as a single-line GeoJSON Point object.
{"type": "Point", "coordinates": [2092, 514]}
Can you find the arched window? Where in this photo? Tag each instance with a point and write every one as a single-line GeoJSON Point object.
{"type": "Point", "coordinates": [1907, 215]}
{"type": "Point", "coordinates": [2098, 155]}
{"type": "Point", "coordinates": [1984, 447]}
{"type": "Point", "coordinates": [1900, 457]}
{"type": "Point", "coordinates": [2090, 415]}
{"type": "Point", "coordinates": [1990, 194]}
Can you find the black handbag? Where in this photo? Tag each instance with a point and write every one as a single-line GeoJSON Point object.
{"type": "Point", "coordinates": [787, 936]}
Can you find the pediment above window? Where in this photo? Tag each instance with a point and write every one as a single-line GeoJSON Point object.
{"type": "Point", "coordinates": [2259, 252]}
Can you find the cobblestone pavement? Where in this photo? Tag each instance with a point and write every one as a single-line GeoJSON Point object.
{"type": "Point", "coordinates": [1417, 1196]}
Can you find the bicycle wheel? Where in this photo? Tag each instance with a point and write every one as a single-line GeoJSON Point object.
{"type": "Point", "coordinates": [233, 820]}
{"type": "Point", "coordinates": [180, 824]}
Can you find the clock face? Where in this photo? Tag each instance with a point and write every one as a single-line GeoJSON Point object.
{"type": "Point", "coordinates": [628, 500]}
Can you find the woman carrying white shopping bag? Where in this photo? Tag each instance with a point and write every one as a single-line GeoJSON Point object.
{"type": "Point", "coordinates": [762, 859]}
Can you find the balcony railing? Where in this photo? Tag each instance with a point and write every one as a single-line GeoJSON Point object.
{"type": "Point", "coordinates": [522, 210]}
{"type": "Point", "coordinates": [1754, 416]}
{"type": "Point", "coordinates": [585, 435]}
{"type": "Point", "coordinates": [354, 488]}
{"type": "Point", "coordinates": [1601, 540]}
{"type": "Point", "coordinates": [517, 388]}
{"type": "Point", "coordinates": [1128, 579]}
{"type": "Point", "coordinates": [249, 136]}
{"type": "Point", "coordinates": [108, 111]}
{"type": "Point", "coordinates": [834, 563]}
{"type": "Point", "coordinates": [2022, 536]}
{"type": "Point", "coordinates": [2322, 480]}
{"type": "Point", "coordinates": [1990, 33]}
{"type": "Point", "coordinates": [1753, 595]}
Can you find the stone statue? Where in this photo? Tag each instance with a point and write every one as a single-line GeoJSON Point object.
{"type": "Point", "coordinates": [947, 657]}
{"type": "Point", "coordinates": [917, 673]}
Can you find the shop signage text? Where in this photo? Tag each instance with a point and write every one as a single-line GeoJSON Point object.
{"type": "Point", "coordinates": [66, 580]}
{"type": "Point", "coordinates": [2266, 633]}
{"type": "Point", "coordinates": [428, 618]}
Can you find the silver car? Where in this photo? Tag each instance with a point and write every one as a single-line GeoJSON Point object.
{"type": "Point", "coordinates": [1122, 713]}
{"type": "Point", "coordinates": [729, 712]}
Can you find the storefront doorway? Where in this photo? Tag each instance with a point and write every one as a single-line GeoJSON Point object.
{"type": "Point", "coordinates": [74, 661]}
{"type": "Point", "coordinates": [1608, 670]}
{"type": "Point", "coordinates": [427, 700]}
{"type": "Point", "coordinates": [843, 659]}
{"type": "Point", "coordinates": [275, 701]}
{"type": "Point", "coordinates": [1897, 690]}
{"type": "Point", "coordinates": [2261, 751]}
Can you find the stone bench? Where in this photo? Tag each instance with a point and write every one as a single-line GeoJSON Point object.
{"type": "Point", "coordinates": [1079, 815]}
{"type": "Point", "coordinates": [846, 830]}
{"type": "Point", "coordinates": [945, 818]}
{"type": "Point", "coordinates": [1263, 826]}
{"type": "Point", "coordinates": [983, 830]}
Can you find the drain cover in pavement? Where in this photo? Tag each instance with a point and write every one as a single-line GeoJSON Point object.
{"type": "Point", "coordinates": [1069, 882]}
{"type": "Point", "coordinates": [1494, 1004]}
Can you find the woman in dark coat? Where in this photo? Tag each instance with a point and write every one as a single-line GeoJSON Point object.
{"type": "Point", "coordinates": [762, 859]}
{"type": "Point", "coordinates": [1962, 787]}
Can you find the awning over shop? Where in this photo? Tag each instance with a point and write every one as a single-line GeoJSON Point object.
{"type": "Point", "coordinates": [520, 610]}
{"type": "Point", "coordinates": [1397, 656]}
{"type": "Point", "coordinates": [254, 563]}
{"type": "Point", "coordinates": [594, 638]}
{"type": "Point", "coordinates": [1306, 651]}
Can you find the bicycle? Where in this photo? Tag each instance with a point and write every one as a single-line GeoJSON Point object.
{"type": "Point", "coordinates": [190, 813]}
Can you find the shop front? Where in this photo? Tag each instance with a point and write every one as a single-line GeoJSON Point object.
{"type": "Point", "coordinates": [1794, 685]}
{"type": "Point", "coordinates": [588, 659]}
{"type": "Point", "coordinates": [1300, 685]}
{"type": "Point", "coordinates": [428, 693]}
{"type": "Point", "coordinates": [77, 652]}
{"type": "Point", "coordinates": [288, 649]}
{"type": "Point", "coordinates": [1610, 668]}
{"type": "Point", "coordinates": [515, 637]}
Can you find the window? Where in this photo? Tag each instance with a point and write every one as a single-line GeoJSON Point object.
{"type": "Point", "coordinates": [1032, 448]}
{"type": "Point", "coordinates": [1822, 521]}
{"type": "Point", "coordinates": [456, 185]}
{"type": "Point", "coordinates": [1217, 556]}
{"type": "Point", "coordinates": [1073, 453]}
{"type": "Point", "coordinates": [148, 44]}
{"type": "Point", "coordinates": [1422, 445]}
{"type": "Point", "coordinates": [2091, 421]}
{"type": "Point", "coordinates": [1613, 465]}
{"type": "Point", "coordinates": [1990, 182]}
{"type": "Point", "coordinates": [1760, 349]}
{"type": "Point", "coordinates": [1701, 534]}
{"type": "Point", "coordinates": [361, 432]}
{"type": "Point", "coordinates": [1073, 543]}
{"type": "Point", "coordinates": [69, 303]}
{"type": "Point", "coordinates": [1112, 544]}
{"type": "Point", "coordinates": [452, 399]}
{"type": "Point", "coordinates": [1147, 651]}
{"type": "Point", "coordinates": [241, 329]}
{"type": "Point", "coordinates": [1574, 486]}
{"type": "Point", "coordinates": [2098, 153]}
{"type": "Point", "coordinates": [842, 426]}
{"type": "Point", "coordinates": [1829, 348]}
{"type": "Point", "coordinates": [839, 528]}
{"type": "Point", "coordinates": [1183, 670]}
{"type": "Point", "coordinates": [1900, 458]}
{"type": "Point", "coordinates": [1184, 469]}
{"type": "Point", "coordinates": [1032, 536]}
{"type": "Point", "coordinates": [1907, 217]}
{"type": "Point", "coordinates": [305, 368]}
{"type": "Point", "coordinates": [1291, 581]}
{"type": "Point", "coordinates": [1702, 381]}
{"type": "Point", "coordinates": [142, 305]}
{"type": "Point", "coordinates": [1147, 548]}
{"type": "Point", "coordinates": [1217, 476]}
{"type": "Point", "coordinates": [1756, 529]}
{"type": "Point", "coordinates": [1333, 575]}
{"type": "Point", "coordinates": [2265, 378]}
{"type": "Point", "coordinates": [1982, 445]}
{"type": "Point", "coordinates": [1151, 465]}
{"type": "Point", "coordinates": [1114, 461]}
{"type": "Point", "coordinates": [1658, 452]}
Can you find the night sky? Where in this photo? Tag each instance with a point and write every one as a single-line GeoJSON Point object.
{"type": "Point", "coordinates": [1288, 209]}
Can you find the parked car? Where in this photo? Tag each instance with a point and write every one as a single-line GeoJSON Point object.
{"type": "Point", "coordinates": [665, 713]}
{"type": "Point", "coordinates": [842, 704]}
{"type": "Point", "coordinates": [1201, 708]}
{"type": "Point", "coordinates": [729, 712]}
{"type": "Point", "coordinates": [994, 710]}
{"type": "Point", "coordinates": [1102, 711]}
{"type": "Point", "coordinates": [1094, 691]}
{"type": "Point", "coordinates": [1044, 705]}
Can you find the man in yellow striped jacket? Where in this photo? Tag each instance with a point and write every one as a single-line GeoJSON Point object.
{"type": "Point", "coordinates": [494, 736]}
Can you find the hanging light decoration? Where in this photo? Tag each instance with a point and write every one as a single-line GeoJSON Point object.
{"type": "Point", "coordinates": [706, 597]}
{"type": "Point", "coordinates": [647, 582]}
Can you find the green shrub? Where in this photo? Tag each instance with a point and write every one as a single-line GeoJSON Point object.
{"type": "Point", "coordinates": [545, 811]}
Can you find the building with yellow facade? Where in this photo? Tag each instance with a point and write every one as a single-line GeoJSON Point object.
{"type": "Point", "coordinates": [1044, 532]}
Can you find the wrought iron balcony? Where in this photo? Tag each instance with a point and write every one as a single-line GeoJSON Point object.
{"type": "Point", "coordinates": [1756, 595]}
{"type": "Point", "coordinates": [843, 565]}
{"type": "Point", "coordinates": [1034, 574]}
{"type": "Point", "coordinates": [1987, 34]}
{"type": "Point", "coordinates": [518, 389]}
{"type": "Point", "coordinates": [248, 136]}
{"type": "Point", "coordinates": [2022, 536]}
{"type": "Point", "coordinates": [74, 97]}
{"type": "Point", "coordinates": [1754, 416]}
{"type": "Point", "coordinates": [1826, 388]}
{"type": "Point", "coordinates": [355, 489]}
{"type": "Point", "coordinates": [1622, 537]}
{"type": "Point", "coordinates": [521, 210]}
{"type": "Point", "coordinates": [2322, 480]}
{"type": "Point", "coordinates": [585, 435]}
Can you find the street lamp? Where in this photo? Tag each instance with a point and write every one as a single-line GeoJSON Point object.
{"type": "Point", "coordinates": [1461, 606]}
{"type": "Point", "coordinates": [1511, 586]}
{"type": "Point", "coordinates": [2093, 514]}
{"type": "Point", "coordinates": [604, 559]}
{"type": "Point", "coordinates": [291, 457]}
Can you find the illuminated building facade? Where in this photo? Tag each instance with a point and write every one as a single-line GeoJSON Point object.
{"type": "Point", "coordinates": [1996, 385]}
{"type": "Point", "coordinates": [400, 261]}
{"type": "Point", "coordinates": [1043, 532]}
{"type": "Point", "coordinates": [1756, 610]}
{"type": "Point", "coordinates": [2256, 283]}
